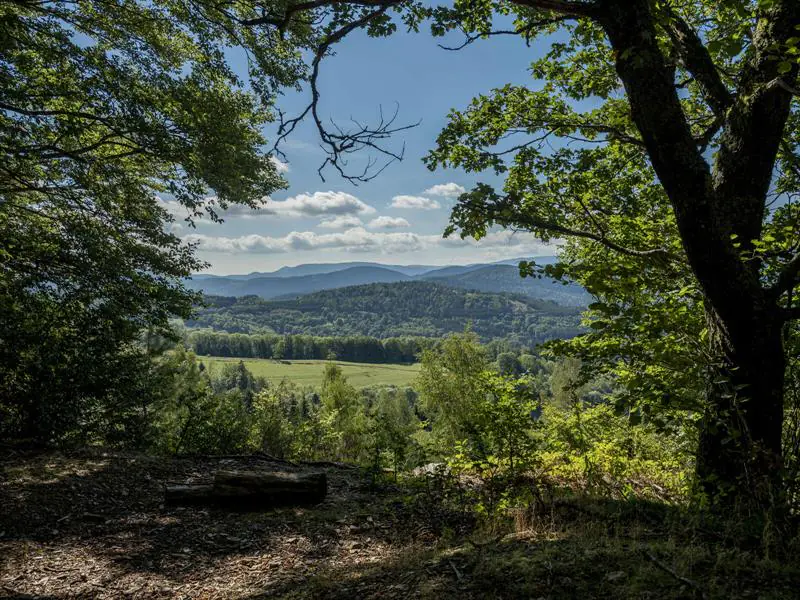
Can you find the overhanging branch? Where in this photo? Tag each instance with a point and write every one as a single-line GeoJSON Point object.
{"type": "Point", "coordinates": [525, 32]}
{"type": "Point", "coordinates": [564, 7]}
{"type": "Point", "coordinates": [336, 141]}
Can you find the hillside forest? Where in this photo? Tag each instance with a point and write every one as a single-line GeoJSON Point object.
{"type": "Point", "coordinates": [621, 420]}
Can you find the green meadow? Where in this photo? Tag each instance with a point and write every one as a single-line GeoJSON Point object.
{"type": "Point", "coordinates": [309, 372]}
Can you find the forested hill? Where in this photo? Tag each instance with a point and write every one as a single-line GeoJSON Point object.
{"type": "Point", "coordinates": [381, 310]}
{"type": "Point", "coordinates": [506, 278]}
{"type": "Point", "coordinates": [274, 286]}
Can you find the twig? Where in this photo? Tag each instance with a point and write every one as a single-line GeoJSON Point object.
{"type": "Point", "coordinates": [692, 584]}
{"type": "Point", "coordinates": [459, 576]}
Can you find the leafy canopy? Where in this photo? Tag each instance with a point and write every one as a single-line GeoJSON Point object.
{"type": "Point", "coordinates": [116, 118]}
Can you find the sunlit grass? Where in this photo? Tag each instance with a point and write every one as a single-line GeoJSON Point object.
{"type": "Point", "coordinates": [309, 372]}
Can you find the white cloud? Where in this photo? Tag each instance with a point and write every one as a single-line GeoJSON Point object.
{"type": "Point", "coordinates": [356, 239]}
{"type": "Point", "coordinates": [446, 190]}
{"type": "Point", "coordinates": [359, 239]}
{"type": "Point", "coordinates": [416, 202]}
{"type": "Point", "coordinates": [280, 166]}
{"type": "Point", "coordinates": [388, 223]}
{"type": "Point", "coordinates": [318, 204]}
{"type": "Point", "coordinates": [342, 222]}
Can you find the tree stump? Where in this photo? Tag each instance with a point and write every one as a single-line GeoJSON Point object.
{"type": "Point", "coordinates": [252, 490]}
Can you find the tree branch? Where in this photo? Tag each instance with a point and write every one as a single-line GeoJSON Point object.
{"type": "Point", "coordinates": [755, 125]}
{"type": "Point", "coordinates": [787, 277]}
{"type": "Point", "coordinates": [532, 222]}
{"type": "Point", "coordinates": [564, 7]}
{"type": "Point", "coordinates": [525, 32]}
{"type": "Point", "coordinates": [698, 62]}
{"type": "Point", "coordinates": [282, 21]}
{"type": "Point", "coordinates": [339, 143]}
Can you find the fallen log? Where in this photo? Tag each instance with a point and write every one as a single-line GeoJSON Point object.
{"type": "Point", "coordinates": [249, 489]}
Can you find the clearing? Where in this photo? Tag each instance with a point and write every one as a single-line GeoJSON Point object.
{"type": "Point", "coordinates": [93, 524]}
{"type": "Point", "coordinates": [309, 372]}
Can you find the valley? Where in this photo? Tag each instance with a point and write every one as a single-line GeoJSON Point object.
{"type": "Point", "coordinates": [309, 373]}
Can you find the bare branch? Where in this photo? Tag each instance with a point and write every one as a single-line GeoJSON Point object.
{"type": "Point", "coordinates": [338, 143]}
{"type": "Point", "coordinates": [526, 32]}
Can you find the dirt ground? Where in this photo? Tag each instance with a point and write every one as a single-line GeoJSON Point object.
{"type": "Point", "coordinates": [93, 524]}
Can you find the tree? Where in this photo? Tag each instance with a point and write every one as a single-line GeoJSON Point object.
{"type": "Point", "coordinates": [509, 364]}
{"type": "Point", "coordinates": [341, 404]}
{"type": "Point", "coordinates": [699, 147]}
{"type": "Point", "coordinates": [693, 132]}
{"type": "Point", "coordinates": [452, 391]}
{"type": "Point", "coordinates": [116, 118]}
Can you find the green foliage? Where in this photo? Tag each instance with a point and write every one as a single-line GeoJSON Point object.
{"type": "Point", "coordinates": [591, 447]}
{"type": "Point", "coordinates": [613, 175]}
{"type": "Point", "coordinates": [392, 423]}
{"type": "Point", "coordinates": [451, 389]}
{"type": "Point", "coordinates": [272, 430]}
{"type": "Point", "coordinates": [509, 364]}
{"type": "Point", "coordinates": [355, 348]}
{"type": "Point", "coordinates": [107, 107]}
{"type": "Point", "coordinates": [342, 404]}
{"type": "Point", "coordinates": [488, 416]}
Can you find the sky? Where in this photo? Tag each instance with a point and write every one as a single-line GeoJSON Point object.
{"type": "Point", "coordinates": [398, 217]}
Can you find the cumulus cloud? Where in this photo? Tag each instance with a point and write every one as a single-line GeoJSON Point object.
{"type": "Point", "coordinates": [358, 239]}
{"type": "Point", "coordinates": [318, 204]}
{"type": "Point", "coordinates": [388, 223]}
{"type": "Point", "coordinates": [446, 190]}
{"type": "Point", "coordinates": [415, 202]}
{"type": "Point", "coordinates": [280, 166]}
{"type": "Point", "coordinates": [343, 222]}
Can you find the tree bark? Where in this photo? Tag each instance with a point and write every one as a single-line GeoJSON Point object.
{"type": "Point", "coordinates": [739, 459]}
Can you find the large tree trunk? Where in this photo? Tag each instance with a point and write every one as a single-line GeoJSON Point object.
{"type": "Point", "coordinates": [739, 457]}
{"type": "Point", "coordinates": [739, 460]}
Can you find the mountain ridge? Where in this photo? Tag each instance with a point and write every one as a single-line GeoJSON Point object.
{"type": "Point", "coordinates": [500, 276]}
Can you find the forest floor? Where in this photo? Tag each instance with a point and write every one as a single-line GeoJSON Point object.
{"type": "Point", "coordinates": [94, 525]}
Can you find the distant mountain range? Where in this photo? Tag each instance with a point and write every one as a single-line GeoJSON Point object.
{"type": "Point", "coordinates": [288, 282]}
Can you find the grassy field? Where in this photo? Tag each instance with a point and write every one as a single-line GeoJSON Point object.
{"type": "Point", "coordinates": [309, 372]}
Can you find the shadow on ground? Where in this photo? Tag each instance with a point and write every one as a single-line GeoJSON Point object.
{"type": "Point", "coordinates": [94, 525]}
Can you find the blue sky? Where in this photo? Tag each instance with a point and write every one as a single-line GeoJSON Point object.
{"type": "Point", "coordinates": [399, 216]}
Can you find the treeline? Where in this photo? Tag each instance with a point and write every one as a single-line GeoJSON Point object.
{"type": "Point", "coordinates": [357, 348]}
{"type": "Point", "coordinates": [395, 310]}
